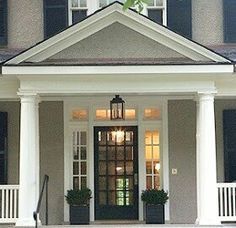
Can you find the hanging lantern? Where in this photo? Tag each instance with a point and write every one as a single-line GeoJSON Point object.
{"type": "Point", "coordinates": [117, 110]}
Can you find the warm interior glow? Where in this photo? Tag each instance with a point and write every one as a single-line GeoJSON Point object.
{"type": "Point", "coordinates": [152, 113]}
{"type": "Point", "coordinates": [158, 166]}
{"type": "Point", "coordinates": [130, 114]}
{"type": "Point", "coordinates": [119, 136]}
{"type": "Point", "coordinates": [80, 114]}
{"type": "Point", "coordinates": [101, 114]}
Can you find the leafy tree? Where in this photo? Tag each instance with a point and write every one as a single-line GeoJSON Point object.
{"type": "Point", "coordinates": [138, 4]}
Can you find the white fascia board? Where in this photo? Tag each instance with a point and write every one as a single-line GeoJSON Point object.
{"type": "Point", "coordinates": [107, 16]}
{"type": "Point", "coordinates": [88, 70]}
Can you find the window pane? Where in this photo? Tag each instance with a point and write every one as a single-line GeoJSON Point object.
{"type": "Point", "coordinates": [76, 153]}
{"type": "Point", "coordinates": [83, 138]}
{"type": "Point", "coordinates": [156, 153]}
{"type": "Point", "coordinates": [76, 182]}
{"type": "Point", "coordinates": [80, 114]}
{"type": "Point", "coordinates": [101, 114]}
{"type": "Point", "coordinates": [76, 168]}
{"type": "Point", "coordinates": [156, 167]}
{"type": "Point", "coordinates": [157, 182]}
{"type": "Point", "coordinates": [83, 153]}
{"type": "Point", "coordinates": [78, 15]}
{"type": "Point", "coordinates": [148, 151]}
{"type": "Point", "coordinates": [102, 183]}
{"type": "Point", "coordinates": [155, 137]}
{"type": "Point", "coordinates": [148, 182]}
{"type": "Point", "coordinates": [74, 3]}
{"type": "Point", "coordinates": [148, 167]}
{"type": "Point", "coordinates": [148, 137]}
{"type": "Point", "coordinates": [155, 15]}
{"type": "Point", "coordinates": [130, 114]}
{"type": "Point", "coordinates": [83, 168]}
{"type": "Point", "coordinates": [83, 3]}
{"type": "Point", "coordinates": [102, 198]}
{"type": "Point", "coordinates": [111, 153]}
{"type": "Point", "coordinates": [83, 182]}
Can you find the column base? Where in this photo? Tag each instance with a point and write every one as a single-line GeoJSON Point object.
{"type": "Point", "coordinates": [27, 222]}
{"type": "Point", "coordinates": [208, 222]}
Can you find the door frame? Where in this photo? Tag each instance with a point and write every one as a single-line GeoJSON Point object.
{"type": "Point", "coordinates": [117, 209]}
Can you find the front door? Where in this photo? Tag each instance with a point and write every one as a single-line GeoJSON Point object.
{"type": "Point", "coordinates": [116, 172]}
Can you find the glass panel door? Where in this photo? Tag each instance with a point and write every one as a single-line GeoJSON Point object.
{"type": "Point", "coordinates": [116, 177]}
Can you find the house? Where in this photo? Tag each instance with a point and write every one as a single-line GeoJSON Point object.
{"type": "Point", "coordinates": [174, 68]}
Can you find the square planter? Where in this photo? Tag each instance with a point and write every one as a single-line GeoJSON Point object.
{"type": "Point", "coordinates": [155, 214]}
{"type": "Point", "coordinates": [79, 214]}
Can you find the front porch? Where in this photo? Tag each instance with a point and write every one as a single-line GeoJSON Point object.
{"type": "Point", "coordinates": [226, 195]}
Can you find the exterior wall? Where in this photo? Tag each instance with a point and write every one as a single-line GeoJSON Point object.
{"type": "Point", "coordinates": [205, 16]}
{"type": "Point", "coordinates": [221, 105]}
{"type": "Point", "coordinates": [13, 110]}
{"type": "Point", "coordinates": [111, 43]}
{"type": "Point", "coordinates": [52, 158]}
{"type": "Point", "coordinates": [25, 23]}
{"type": "Point", "coordinates": [182, 156]}
{"type": "Point", "coordinates": [207, 21]}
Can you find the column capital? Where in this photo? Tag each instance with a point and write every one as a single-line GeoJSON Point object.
{"type": "Point", "coordinates": [205, 96]}
{"type": "Point", "coordinates": [29, 97]}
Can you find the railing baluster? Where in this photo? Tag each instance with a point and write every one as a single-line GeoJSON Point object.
{"type": "Point", "coordinates": [7, 203]}
{"type": "Point", "coordinates": [10, 202]}
{"type": "Point", "coordinates": [3, 203]}
{"type": "Point", "coordinates": [229, 201]}
{"type": "Point", "coordinates": [221, 202]}
{"type": "Point", "coordinates": [233, 193]}
{"type": "Point", "coordinates": [15, 203]}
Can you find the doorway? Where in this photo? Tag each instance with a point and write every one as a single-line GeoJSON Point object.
{"type": "Point", "coordinates": [116, 172]}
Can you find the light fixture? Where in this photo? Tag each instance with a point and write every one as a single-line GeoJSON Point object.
{"type": "Point", "coordinates": [117, 108]}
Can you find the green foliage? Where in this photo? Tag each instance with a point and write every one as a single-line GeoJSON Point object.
{"type": "Point", "coordinates": [138, 4]}
{"type": "Point", "coordinates": [78, 197]}
{"type": "Point", "coordinates": [154, 196]}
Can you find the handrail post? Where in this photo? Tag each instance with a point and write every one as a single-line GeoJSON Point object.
{"type": "Point", "coordinates": [46, 215]}
{"type": "Point", "coordinates": [35, 214]}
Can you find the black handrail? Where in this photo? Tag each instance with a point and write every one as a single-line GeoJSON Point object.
{"type": "Point", "coordinates": [35, 214]}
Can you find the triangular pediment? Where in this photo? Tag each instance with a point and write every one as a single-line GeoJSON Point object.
{"type": "Point", "coordinates": [114, 35]}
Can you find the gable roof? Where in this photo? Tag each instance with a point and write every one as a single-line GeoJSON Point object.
{"type": "Point", "coordinates": [104, 17]}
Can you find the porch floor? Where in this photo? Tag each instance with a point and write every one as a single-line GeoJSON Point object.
{"type": "Point", "coordinates": [128, 225]}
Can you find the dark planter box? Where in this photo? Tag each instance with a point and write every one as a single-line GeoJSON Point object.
{"type": "Point", "coordinates": [155, 214]}
{"type": "Point", "coordinates": [79, 215]}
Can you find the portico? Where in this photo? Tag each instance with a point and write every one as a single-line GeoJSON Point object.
{"type": "Point", "coordinates": [182, 71]}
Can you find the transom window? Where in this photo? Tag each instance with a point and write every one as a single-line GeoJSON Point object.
{"type": "Point", "coordinates": [104, 114]}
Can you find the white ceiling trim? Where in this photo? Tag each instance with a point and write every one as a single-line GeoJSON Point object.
{"type": "Point", "coordinates": [114, 13]}
{"type": "Point", "coordinates": [119, 70]}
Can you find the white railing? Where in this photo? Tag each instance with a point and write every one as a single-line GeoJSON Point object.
{"type": "Point", "coordinates": [227, 201]}
{"type": "Point", "coordinates": [9, 203]}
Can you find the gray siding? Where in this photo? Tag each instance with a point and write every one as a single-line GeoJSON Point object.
{"type": "Point", "coordinates": [182, 155]}
{"type": "Point", "coordinates": [25, 23]}
{"type": "Point", "coordinates": [52, 157]}
{"type": "Point", "coordinates": [13, 110]}
{"type": "Point", "coordinates": [117, 41]}
{"type": "Point", "coordinates": [207, 21]}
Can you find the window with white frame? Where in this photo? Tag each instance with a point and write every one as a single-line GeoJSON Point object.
{"type": "Point", "coordinates": [80, 156]}
{"type": "Point", "coordinates": [77, 10]}
{"type": "Point", "coordinates": [103, 3]}
{"type": "Point", "coordinates": [156, 10]}
{"type": "Point", "coordinates": [152, 157]}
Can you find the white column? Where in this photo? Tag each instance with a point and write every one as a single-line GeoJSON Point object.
{"type": "Point", "coordinates": [206, 162]}
{"type": "Point", "coordinates": [29, 160]}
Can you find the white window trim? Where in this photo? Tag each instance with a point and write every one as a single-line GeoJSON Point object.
{"type": "Point", "coordinates": [93, 5]}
